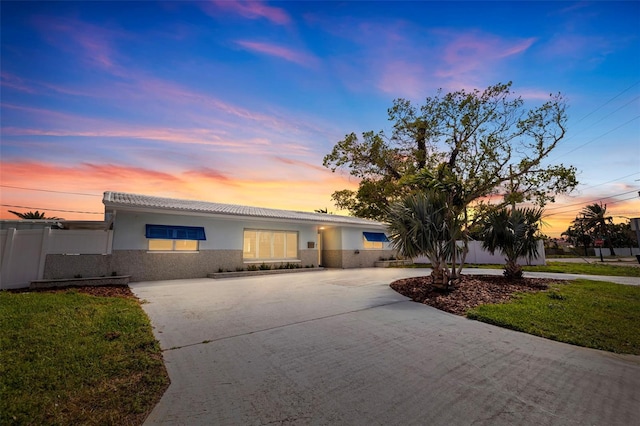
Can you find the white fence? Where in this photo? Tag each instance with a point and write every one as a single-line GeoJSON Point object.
{"type": "Point", "coordinates": [619, 251]}
{"type": "Point", "coordinates": [477, 255]}
{"type": "Point", "coordinates": [24, 251]}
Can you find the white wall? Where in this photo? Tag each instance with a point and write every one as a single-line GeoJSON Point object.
{"type": "Point", "coordinates": [619, 251]}
{"type": "Point", "coordinates": [347, 238]}
{"type": "Point", "coordinates": [332, 239]}
{"type": "Point", "coordinates": [24, 251]}
{"type": "Point", "coordinates": [353, 239]}
{"type": "Point", "coordinates": [21, 255]}
{"type": "Point", "coordinates": [477, 255]}
{"type": "Point", "coordinates": [79, 242]}
{"type": "Point", "coordinates": [221, 233]}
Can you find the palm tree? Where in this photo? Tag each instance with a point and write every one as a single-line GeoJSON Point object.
{"type": "Point", "coordinates": [33, 215]}
{"type": "Point", "coordinates": [595, 220]}
{"type": "Point", "coordinates": [417, 226]}
{"type": "Point", "coordinates": [513, 233]}
{"type": "Point", "coordinates": [576, 236]}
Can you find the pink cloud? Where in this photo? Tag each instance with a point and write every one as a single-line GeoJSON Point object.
{"type": "Point", "coordinates": [300, 164]}
{"type": "Point", "coordinates": [285, 53]}
{"type": "Point", "coordinates": [94, 42]}
{"type": "Point", "coordinates": [15, 82]}
{"type": "Point", "coordinates": [294, 192]}
{"type": "Point", "coordinates": [402, 78]}
{"type": "Point", "coordinates": [209, 174]}
{"type": "Point", "coordinates": [58, 124]}
{"type": "Point", "coordinates": [534, 94]}
{"type": "Point", "coordinates": [468, 53]}
{"type": "Point", "coordinates": [579, 50]}
{"type": "Point", "coordinates": [254, 10]}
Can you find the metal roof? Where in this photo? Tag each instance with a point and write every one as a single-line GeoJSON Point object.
{"type": "Point", "coordinates": [147, 202]}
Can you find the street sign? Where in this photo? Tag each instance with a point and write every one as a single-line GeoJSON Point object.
{"type": "Point", "coordinates": [598, 243]}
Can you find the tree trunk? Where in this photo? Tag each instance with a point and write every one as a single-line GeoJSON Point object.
{"type": "Point", "coordinates": [421, 154]}
{"type": "Point", "coordinates": [512, 270]}
{"type": "Point", "coordinates": [440, 277]}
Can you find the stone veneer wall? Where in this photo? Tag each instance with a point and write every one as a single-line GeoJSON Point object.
{"type": "Point", "coordinates": [308, 257]}
{"type": "Point", "coordinates": [364, 259]}
{"type": "Point", "coordinates": [332, 258]}
{"type": "Point", "coordinates": [143, 265]}
{"type": "Point", "coordinates": [58, 266]}
{"type": "Point", "coordinates": [349, 259]}
{"type": "Point", "coordinates": [147, 266]}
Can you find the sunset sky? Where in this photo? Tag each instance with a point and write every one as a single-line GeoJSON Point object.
{"type": "Point", "coordinates": [238, 102]}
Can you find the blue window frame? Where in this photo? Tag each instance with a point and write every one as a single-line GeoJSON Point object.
{"type": "Point", "coordinates": [169, 232]}
{"type": "Point", "coordinates": [375, 237]}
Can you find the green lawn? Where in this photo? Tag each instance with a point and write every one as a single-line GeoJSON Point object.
{"type": "Point", "coordinates": [587, 313]}
{"type": "Point", "coordinates": [71, 358]}
{"type": "Point", "coordinates": [606, 269]}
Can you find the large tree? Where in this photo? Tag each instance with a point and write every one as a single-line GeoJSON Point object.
{"type": "Point", "coordinates": [595, 222]}
{"type": "Point", "coordinates": [623, 236]}
{"type": "Point", "coordinates": [470, 145]}
{"type": "Point", "coordinates": [577, 236]}
{"type": "Point", "coordinates": [488, 141]}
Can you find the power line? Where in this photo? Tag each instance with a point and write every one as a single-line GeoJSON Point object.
{"type": "Point", "coordinates": [52, 210]}
{"type": "Point", "coordinates": [606, 116]}
{"type": "Point", "coordinates": [49, 190]}
{"type": "Point", "coordinates": [608, 203]}
{"type": "Point", "coordinates": [596, 138]}
{"type": "Point", "coordinates": [612, 99]}
{"type": "Point", "coordinates": [613, 180]}
{"type": "Point", "coordinates": [592, 201]}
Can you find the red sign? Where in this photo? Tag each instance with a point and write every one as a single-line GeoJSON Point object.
{"type": "Point", "coordinates": [598, 243]}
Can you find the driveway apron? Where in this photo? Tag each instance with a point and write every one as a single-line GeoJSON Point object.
{"type": "Point", "coordinates": [339, 347]}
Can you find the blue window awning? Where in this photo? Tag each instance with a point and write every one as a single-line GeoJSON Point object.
{"type": "Point", "coordinates": [169, 232]}
{"type": "Point", "coordinates": [375, 237]}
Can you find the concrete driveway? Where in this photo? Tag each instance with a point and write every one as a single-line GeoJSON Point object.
{"type": "Point", "coordinates": [339, 347]}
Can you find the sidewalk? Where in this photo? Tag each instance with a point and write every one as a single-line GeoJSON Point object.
{"type": "Point", "coordinates": [622, 261]}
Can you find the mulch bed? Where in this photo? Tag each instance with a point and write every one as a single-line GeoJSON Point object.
{"type": "Point", "coordinates": [469, 292]}
{"type": "Point", "coordinates": [101, 291]}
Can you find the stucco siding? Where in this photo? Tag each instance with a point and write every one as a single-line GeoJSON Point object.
{"type": "Point", "coordinates": [221, 233]}
{"type": "Point", "coordinates": [331, 239]}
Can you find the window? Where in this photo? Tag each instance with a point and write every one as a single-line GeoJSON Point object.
{"type": "Point", "coordinates": [173, 245]}
{"type": "Point", "coordinates": [374, 240]}
{"type": "Point", "coordinates": [266, 245]}
{"type": "Point", "coordinates": [174, 238]}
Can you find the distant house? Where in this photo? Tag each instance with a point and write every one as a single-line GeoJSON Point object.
{"type": "Point", "coordinates": [158, 238]}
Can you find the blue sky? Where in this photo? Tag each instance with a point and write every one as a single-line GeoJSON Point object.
{"type": "Point", "coordinates": [238, 102]}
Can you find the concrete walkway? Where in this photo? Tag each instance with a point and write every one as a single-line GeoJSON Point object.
{"type": "Point", "coordinates": [340, 347]}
